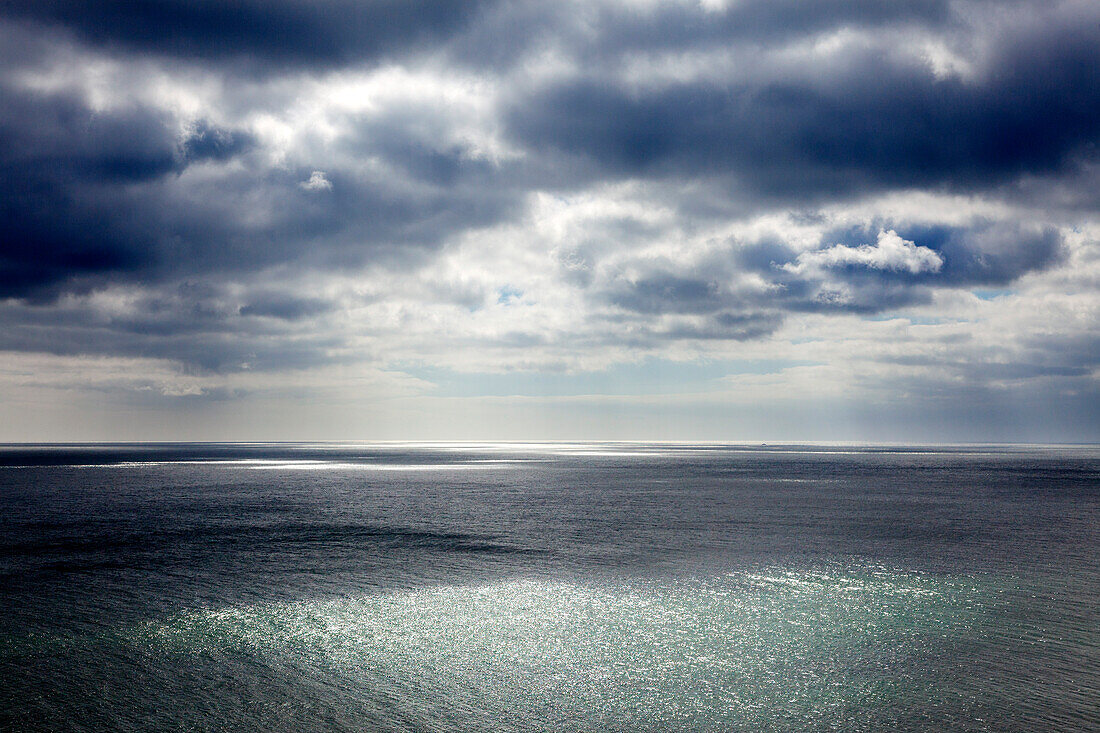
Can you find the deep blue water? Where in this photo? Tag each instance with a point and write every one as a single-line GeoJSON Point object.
{"type": "Point", "coordinates": [549, 587]}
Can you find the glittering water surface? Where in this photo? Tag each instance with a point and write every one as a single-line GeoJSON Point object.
{"type": "Point", "coordinates": [555, 587]}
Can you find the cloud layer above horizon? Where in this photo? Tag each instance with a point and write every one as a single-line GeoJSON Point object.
{"type": "Point", "coordinates": [684, 219]}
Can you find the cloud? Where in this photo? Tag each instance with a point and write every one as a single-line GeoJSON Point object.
{"type": "Point", "coordinates": [890, 252]}
{"type": "Point", "coordinates": [131, 193]}
{"type": "Point", "coordinates": [602, 33]}
{"type": "Point", "coordinates": [316, 182]}
{"type": "Point", "coordinates": [285, 34]}
{"type": "Point", "coordinates": [242, 190]}
{"type": "Point", "coordinates": [980, 253]}
{"type": "Point", "coordinates": [75, 184]}
{"type": "Point", "coordinates": [284, 306]}
{"type": "Point", "coordinates": [813, 125]}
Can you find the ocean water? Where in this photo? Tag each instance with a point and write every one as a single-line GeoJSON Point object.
{"type": "Point", "coordinates": [549, 587]}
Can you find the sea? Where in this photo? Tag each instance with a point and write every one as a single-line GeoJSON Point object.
{"type": "Point", "coordinates": [549, 587]}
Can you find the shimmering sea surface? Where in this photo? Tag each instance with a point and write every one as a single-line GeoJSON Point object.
{"type": "Point", "coordinates": [549, 587]}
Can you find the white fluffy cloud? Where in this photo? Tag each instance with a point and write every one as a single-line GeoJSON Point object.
{"type": "Point", "coordinates": [316, 182]}
{"type": "Point", "coordinates": [890, 252]}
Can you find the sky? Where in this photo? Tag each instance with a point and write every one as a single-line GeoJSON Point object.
{"type": "Point", "coordinates": [742, 220]}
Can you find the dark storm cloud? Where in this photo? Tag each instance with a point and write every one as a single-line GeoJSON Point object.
{"type": "Point", "coordinates": [207, 142]}
{"type": "Point", "coordinates": [410, 139]}
{"type": "Point", "coordinates": [196, 325]}
{"type": "Point", "coordinates": [602, 33]}
{"type": "Point", "coordinates": [665, 302]}
{"type": "Point", "coordinates": [284, 306]}
{"type": "Point", "coordinates": [286, 34]}
{"type": "Point", "coordinates": [684, 25]}
{"type": "Point", "coordinates": [89, 198]}
{"type": "Point", "coordinates": [729, 327]}
{"type": "Point", "coordinates": [872, 121]}
{"type": "Point", "coordinates": [67, 196]}
{"type": "Point", "coordinates": [58, 137]}
{"type": "Point", "coordinates": [1080, 349]}
{"type": "Point", "coordinates": [283, 35]}
{"type": "Point", "coordinates": [662, 292]}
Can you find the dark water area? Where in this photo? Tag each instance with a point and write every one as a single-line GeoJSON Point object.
{"type": "Point", "coordinates": [549, 587]}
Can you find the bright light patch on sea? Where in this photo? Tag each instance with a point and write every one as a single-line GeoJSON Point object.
{"type": "Point", "coordinates": [258, 464]}
{"type": "Point", "coordinates": [748, 651]}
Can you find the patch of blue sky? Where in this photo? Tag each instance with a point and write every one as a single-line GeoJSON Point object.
{"type": "Point", "coordinates": [508, 293]}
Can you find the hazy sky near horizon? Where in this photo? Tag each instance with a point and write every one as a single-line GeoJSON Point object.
{"type": "Point", "coordinates": [465, 219]}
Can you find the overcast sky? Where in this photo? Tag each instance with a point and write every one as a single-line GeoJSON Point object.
{"type": "Point", "coordinates": [637, 219]}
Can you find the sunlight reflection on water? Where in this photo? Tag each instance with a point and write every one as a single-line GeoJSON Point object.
{"type": "Point", "coordinates": [739, 650]}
